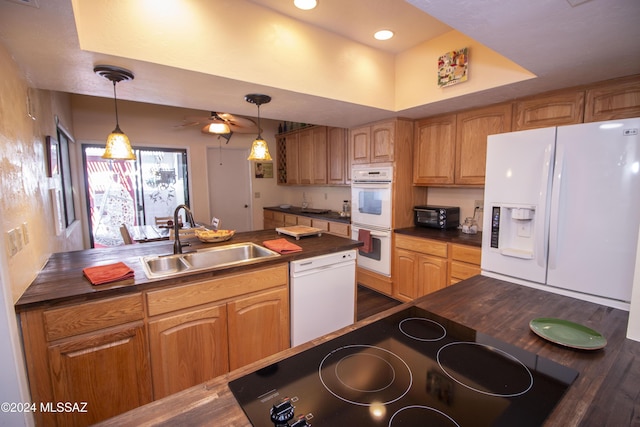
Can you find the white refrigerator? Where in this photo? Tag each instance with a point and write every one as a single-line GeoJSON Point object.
{"type": "Point", "coordinates": [562, 209]}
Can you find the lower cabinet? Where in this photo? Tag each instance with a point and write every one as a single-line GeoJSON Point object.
{"type": "Point", "coordinates": [188, 348]}
{"type": "Point", "coordinates": [422, 266]}
{"type": "Point", "coordinates": [274, 219]}
{"type": "Point", "coordinates": [115, 354]}
{"type": "Point", "coordinates": [258, 326]}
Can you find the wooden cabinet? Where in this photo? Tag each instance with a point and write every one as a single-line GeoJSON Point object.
{"type": "Point", "coordinates": [292, 166]}
{"type": "Point", "coordinates": [373, 143]}
{"type": "Point", "coordinates": [472, 129]}
{"type": "Point", "coordinates": [553, 109]}
{"type": "Point", "coordinates": [119, 353]}
{"type": "Point", "coordinates": [465, 262]}
{"type": "Point", "coordinates": [452, 149]}
{"type": "Point", "coordinates": [314, 155]}
{"type": "Point", "coordinates": [188, 348]}
{"type": "Point", "coordinates": [435, 148]}
{"type": "Point", "coordinates": [93, 352]}
{"type": "Point", "coordinates": [272, 219]}
{"type": "Point", "coordinates": [258, 326]}
{"type": "Point", "coordinates": [615, 99]}
{"type": "Point", "coordinates": [338, 172]}
{"type": "Point", "coordinates": [420, 267]}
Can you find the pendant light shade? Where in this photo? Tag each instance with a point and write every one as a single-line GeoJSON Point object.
{"type": "Point", "coordinates": [259, 148]}
{"type": "Point", "coordinates": [118, 146]}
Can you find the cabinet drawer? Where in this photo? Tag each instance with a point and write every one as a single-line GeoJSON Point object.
{"type": "Point", "coordinates": [290, 219]}
{"type": "Point", "coordinates": [465, 253]}
{"type": "Point", "coordinates": [425, 246]}
{"type": "Point", "coordinates": [194, 294]}
{"type": "Point", "coordinates": [321, 224]}
{"type": "Point", "coordinates": [460, 270]}
{"type": "Point", "coordinates": [304, 220]}
{"type": "Point", "coordinates": [340, 229]}
{"type": "Point", "coordinates": [91, 316]}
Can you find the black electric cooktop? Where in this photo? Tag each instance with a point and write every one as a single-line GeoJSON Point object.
{"type": "Point", "coordinates": [412, 368]}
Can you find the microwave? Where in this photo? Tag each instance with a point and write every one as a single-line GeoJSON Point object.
{"type": "Point", "coordinates": [441, 217]}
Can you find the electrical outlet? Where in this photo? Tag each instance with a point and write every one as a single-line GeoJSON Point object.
{"type": "Point", "coordinates": [325, 196]}
{"type": "Point", "coordinates": [479, 204]}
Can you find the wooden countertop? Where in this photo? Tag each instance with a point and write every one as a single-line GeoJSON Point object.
{"type": "Point", "coordinates": [450, 236]}
{"type": "Point", "coordinates": [61, 279]}
{"type": "Point", "coordinates": [604, 394]}
{"type": "Point", "coordinates": [296, 210]}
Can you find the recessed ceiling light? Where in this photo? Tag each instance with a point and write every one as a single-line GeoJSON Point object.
{"type": "Point", "coordinates": [383, 34]}
{"type": "Point", "coordinates": [305, 4]}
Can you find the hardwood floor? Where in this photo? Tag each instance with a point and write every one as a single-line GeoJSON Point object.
{"type": "Point", "coordinates": [371, 302]}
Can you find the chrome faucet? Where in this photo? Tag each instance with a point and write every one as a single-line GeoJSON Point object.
{"type": "Point", "coordinates": [177, 246]}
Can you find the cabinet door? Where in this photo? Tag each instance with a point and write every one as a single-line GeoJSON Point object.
{"type": "Point", "coordinates": [435, 147]}
{"type": "Point", "coordinates": [319, 167]}
{"type": "Point", "coordinates": [382, 139]}
{"type": "Point", "coordinates": [305, 156]}
{"type": "Point", "coordinates": [619, 99]}
{"type": "Point", "coordinates": [258, 326]}
{"type": "Point", "coordinates": [405, 278]}
{"type": "Point", "coordinates": [108, 370]}
{"type": "Point", "coordinates": [359, 145]}
{"type": "Point", "coordinates": [188, 349]}
{"type": "Point", "coordinates": [336, 156]}
{"type": "Point", "coordinates": [432, 274]}
{"type": "Point", "coordinates": [558, 109]}
{"type": "Point", "coordinates": [472, 129]}
{"type": "Point", "coordinates": [291, 146]}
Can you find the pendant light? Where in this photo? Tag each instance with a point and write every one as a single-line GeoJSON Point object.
{"type": "Point", "coordinates": [118, 146]}
{"type": "Point", "coordinates": [259, 148]}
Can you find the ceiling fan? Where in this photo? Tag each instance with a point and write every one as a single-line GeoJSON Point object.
{"type": "Point", "coordinates": [211, 125]}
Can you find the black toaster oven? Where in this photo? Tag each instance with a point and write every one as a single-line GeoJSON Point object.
{"type": "Point", "coordinates": [441, 217]}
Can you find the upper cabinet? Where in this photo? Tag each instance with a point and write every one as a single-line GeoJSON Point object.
{"type": "Point", "coordinates": [452, 149]}
{"type": "Point", "coordinates": [615, 99]}
{"type": "Point", "coordinates": [372, 143]}
{"type": "Point", "coordinates": [312, 156]}
{"type": "Point", "coordinates": [555, 109]}
{"type": "Point", "coordinates": [472, 129]}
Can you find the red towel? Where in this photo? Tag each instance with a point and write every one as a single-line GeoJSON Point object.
{"type": "Point", "coordinates": [365, 236]}
{"type": "Point", "coordinates": [282, 246]}
{"type": "Point", "coordinates": [108, 273]}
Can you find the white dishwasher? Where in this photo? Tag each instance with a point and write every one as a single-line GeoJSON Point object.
{"type": "Point", "coordinates": [323, 295]}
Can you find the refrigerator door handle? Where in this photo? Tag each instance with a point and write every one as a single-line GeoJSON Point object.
{"type": "Point", "coordinates": [555, 208]}
{"type": "Point", "coordinates": [543, 196]}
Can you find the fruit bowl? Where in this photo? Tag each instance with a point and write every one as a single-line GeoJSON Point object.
{"type": "Point", "coordinates": [211, 236]}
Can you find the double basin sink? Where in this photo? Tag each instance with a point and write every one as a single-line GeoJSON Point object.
{"type": "Point", "coordinates": [204, 259]}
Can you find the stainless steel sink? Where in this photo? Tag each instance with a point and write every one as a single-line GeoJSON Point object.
{"type": "Point", "coordinates": [204, 259]}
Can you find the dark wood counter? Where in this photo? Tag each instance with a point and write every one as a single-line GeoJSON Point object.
{"type": "Point", "coordinates": [450, 236]}
{"type": "Point", "coordinates": [296, 210]}
{"type": "Point", "coordinates": [604, 394]}
{"type": "Point", "coordinates": [62, 280]}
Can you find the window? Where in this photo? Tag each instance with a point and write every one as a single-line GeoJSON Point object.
{"type": "Point", "coordinates": [132, 192]}
{"type": "Point", "coordinates": [65, 175]}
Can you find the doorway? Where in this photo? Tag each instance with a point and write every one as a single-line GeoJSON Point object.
{"type": "Point", "coordinates": [131, 192]}
{"type": "Point", "coordinates": [229, 175]}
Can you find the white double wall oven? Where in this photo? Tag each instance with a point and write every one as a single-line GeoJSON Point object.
{"type": "Point", "coordinates": [371, 211]}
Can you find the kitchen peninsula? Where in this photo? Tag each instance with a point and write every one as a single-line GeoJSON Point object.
{"type": "Point", "coordinates": [604, 393]}
{"type": "Point", "coordinates": [118, 346]}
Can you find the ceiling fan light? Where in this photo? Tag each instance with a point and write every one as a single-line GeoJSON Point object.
{"type": "Point", "coordinates": [259, 150]}
{"type": "Point", "coordinates": [305, 4]}
{"type": "Point", "coordinates": [118, 146]}
{"type": "Point", "coordinates": [218, 128]}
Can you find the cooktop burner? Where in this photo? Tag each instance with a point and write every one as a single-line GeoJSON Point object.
{"type": "Point", "coordinates": [411, 368]}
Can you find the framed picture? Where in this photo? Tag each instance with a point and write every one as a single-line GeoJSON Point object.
{"type": "Point", "coordinates": [53, 156]}
{"type": "Point", "coordinates": [453, 67]}
{"type": "Point", "coordinates": [264, 170]}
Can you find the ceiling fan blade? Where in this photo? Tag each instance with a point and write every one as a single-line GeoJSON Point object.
{"type": "Point", "coordinates": [236, 120]}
